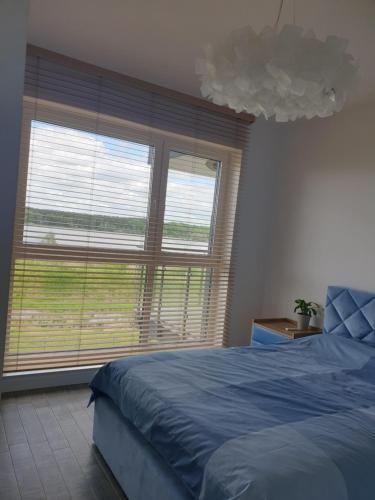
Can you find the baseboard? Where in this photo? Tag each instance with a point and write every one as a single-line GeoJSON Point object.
{"type": "Point", "coordinates": [40, 379]}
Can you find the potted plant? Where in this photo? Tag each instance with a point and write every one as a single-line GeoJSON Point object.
{"type": "Point", "coordinates": [304, 312]}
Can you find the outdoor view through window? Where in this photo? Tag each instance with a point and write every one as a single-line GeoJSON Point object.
{"type": "Point", "coordinates": [99, 263]}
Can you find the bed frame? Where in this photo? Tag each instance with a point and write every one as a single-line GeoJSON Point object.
{"type": "Point", "coordinates": [142, 472]}
{"type": "Point", "coordinates": [350, 313]}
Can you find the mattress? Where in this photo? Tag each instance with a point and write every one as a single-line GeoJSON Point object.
{"type": "Point", "coordinates": [289, 421]}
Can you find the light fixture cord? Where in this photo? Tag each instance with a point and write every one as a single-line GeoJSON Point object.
{"type": "Point", "coordinates": [279, 14]}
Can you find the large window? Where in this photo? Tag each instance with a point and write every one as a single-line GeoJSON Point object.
{"type": "Point", "coordinates": [122, 243]}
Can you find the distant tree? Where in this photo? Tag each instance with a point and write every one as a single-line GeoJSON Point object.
{"type": "Point", "coordinates": [109, 223]}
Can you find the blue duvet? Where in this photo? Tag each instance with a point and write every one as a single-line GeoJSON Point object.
{"type": "Point", "coordinates": [292, 421]}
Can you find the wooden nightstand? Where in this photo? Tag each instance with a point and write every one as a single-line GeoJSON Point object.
{"type": "Point", "coordinates": [273, 330]}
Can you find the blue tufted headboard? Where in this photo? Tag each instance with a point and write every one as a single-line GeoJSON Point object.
{"type": "Point", "coordinates": [350, 313]}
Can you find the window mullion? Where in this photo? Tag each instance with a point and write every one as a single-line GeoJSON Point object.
{"type": "Point", "coordinates": [157, 199]}
{"type": "Point", "coordinates": [154, 235]}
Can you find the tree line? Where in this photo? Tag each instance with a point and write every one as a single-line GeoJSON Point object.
{"type": "Point", "coordinates": [112, 224]}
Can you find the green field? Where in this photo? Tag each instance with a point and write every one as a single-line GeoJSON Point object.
{"type": "Point", "coordinates": [61, 305]}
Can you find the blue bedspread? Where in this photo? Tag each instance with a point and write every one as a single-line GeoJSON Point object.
{"type": "Point", "coordinates": [292, 421]}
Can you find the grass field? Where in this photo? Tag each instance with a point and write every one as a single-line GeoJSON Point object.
{"type": "Point", "coordinates": [60, 305]}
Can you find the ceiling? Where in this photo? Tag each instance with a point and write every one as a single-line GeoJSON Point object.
{"type": "Point", "coordinates": [159, 40]}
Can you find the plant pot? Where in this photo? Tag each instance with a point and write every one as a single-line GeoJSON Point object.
{"type": "Point", "coordinates": [303, 321]}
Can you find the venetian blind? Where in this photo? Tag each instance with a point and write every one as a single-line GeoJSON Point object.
{"type": "Point", "coordinates": [125, 218]}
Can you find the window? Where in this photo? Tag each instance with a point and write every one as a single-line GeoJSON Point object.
{"type": "Point", "coordinates": [86, 189]}
{"type": "Point", "coordinates": [189, 218]}
{"type": "Point", "coordinates": [122, 242]}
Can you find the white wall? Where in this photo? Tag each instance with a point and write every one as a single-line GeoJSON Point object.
{"type": "Point", "coordinates": [323, 229]}
{"type": "Point", "coordinates": [255, 208]}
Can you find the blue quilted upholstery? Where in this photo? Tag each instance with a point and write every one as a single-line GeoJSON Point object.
{"type": "Point", "coordinates": [350, 313]}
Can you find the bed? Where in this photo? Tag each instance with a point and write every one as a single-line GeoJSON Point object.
{"type": "Point", "coordinates": [290, 421]}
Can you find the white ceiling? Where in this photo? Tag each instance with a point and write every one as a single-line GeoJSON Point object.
{"type": "Point", "coordinates": [159, 40]}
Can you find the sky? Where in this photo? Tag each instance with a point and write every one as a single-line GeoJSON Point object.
{"type": "Point", "coordinates": [77, 171]}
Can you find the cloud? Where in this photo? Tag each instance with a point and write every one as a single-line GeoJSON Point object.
{"type": "Point", "coordinates": [77, 171]}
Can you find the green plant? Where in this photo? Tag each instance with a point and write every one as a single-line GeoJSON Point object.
{"type": "Point", "coordinates": [306, 308]}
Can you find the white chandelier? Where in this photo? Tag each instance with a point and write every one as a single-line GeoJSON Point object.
{"type": "Point", "coordinates": [287, 74]}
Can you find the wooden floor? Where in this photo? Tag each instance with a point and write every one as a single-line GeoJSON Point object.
{"type": "Point", "coordinates": [46, 449]}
